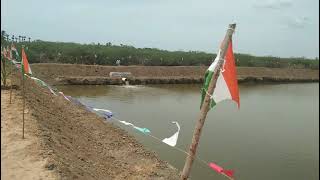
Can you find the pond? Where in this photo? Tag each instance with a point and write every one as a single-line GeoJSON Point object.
{"type": "Point", "coordinates": [274, 135]}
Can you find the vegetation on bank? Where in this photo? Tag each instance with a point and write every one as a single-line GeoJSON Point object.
{"type": "Point", "coordinates": [6, 70]}
{"type": "Point", "coordinates": [107, 54]}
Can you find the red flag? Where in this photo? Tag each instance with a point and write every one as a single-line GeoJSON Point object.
{"type": "Point", "coordinates": [220, 170]}
{"type": "Point", "coordinates": [229, 173]}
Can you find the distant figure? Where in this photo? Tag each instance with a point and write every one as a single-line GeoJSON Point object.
{"type": "Point", "coordinates": [118, 62]}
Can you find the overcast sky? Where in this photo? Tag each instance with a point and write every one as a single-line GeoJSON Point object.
{"type": "Point", "coordinates": [282, 28]}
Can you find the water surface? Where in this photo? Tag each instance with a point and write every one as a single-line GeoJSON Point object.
{"type": "Point", "coordinates": [273, 136]}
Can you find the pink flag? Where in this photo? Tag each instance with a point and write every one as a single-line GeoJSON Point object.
{"type": "Point", "coordinates": [220, 170]}
{"type": "Point", "coordinates": [216, 167]}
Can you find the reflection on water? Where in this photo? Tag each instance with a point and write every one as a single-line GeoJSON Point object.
{"type": "Point", "coordinates": [274, 135]}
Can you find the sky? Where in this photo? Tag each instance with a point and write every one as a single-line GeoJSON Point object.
{"type": "Point", "coordinates": [283, 28]}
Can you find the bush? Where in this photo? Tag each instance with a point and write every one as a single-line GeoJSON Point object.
{"type": "Point", "coordinates": [74, 53]}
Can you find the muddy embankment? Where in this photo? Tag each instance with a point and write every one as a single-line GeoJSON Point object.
{"type": "Point", "coordinates": [81, 145]}
{"type": "Point", "coordinates": [58, 74]}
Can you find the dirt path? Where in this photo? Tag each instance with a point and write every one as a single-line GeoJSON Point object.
{"type": "Point", "coordinates": [20, 158]}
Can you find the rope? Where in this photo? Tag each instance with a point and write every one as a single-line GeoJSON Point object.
{"type": "Point", "coordinates": [211, 96]}
{"type": "Point", "coordinates": [179, 149]}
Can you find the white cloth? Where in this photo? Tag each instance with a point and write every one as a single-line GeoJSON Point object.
{"type": "Point", "coordinates": [126, 123]}
{"type": "Point", "coordinates": [172, 141]}
{"type": "Point", "coordinates": [105, 110]}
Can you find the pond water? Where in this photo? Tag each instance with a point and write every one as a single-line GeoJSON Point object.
{"type": "Point", "coordinates": [273, 136]}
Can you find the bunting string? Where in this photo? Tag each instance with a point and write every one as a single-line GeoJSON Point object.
{"type": "Point", "coordinates": [220, 170]}
{"type": "Point", "coordinates": [171, 141]}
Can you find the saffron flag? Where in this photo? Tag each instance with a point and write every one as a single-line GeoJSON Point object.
{"type": "Point", "coordinates": [227, 84]}
{"type": "Point", "coordinates": [25, 67]}
{"type": "Point", "coordinates": [218, 169]}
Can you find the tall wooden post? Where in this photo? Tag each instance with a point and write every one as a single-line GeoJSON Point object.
{"type": "Point", "coordinates": [205, 106]}
{"type": "Point", "coordinates": [3, 71]}
{"type": "Point", "coordinates": [11, 82]}
{"type": "Point", "coordinates": [23, 94]}
{"type": "Point", "coordinates": [23, 104]}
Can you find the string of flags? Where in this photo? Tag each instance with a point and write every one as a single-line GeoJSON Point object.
{"type": "Point", "coordinates": [171, 141]}
{"type": "Point", "coordinates": [42, 83]}
{"type": "Point", "coordinates": [65, 97]}
{"type": "Point", "coordinates": [228, 90]}
{"type": "Point", "coordinates": [109, 115]}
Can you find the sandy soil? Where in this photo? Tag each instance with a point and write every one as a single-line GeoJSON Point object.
{"type": "Point", "coordinates": [20, 158]}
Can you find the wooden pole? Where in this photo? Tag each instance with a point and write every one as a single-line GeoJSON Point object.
{"type": "Point", "coordinates": [23, 105]}
{"type": "Point", "coordinates": [23, 95]}
{"type": "Point", "coordinates": [205, 106]}
{"type": "Point", "coordinates": [10, 90]}
{"type": "Point", "coordinates": [3, 71]}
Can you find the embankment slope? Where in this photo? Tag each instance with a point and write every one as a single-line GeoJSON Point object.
{"type": "Point", "coordinates": [96, 74]}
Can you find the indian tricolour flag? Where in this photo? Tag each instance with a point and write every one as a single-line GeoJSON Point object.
{"type": "Point", "coordinates": [25, 67]}
{"type": "Point", "coordinates": [227, 84]}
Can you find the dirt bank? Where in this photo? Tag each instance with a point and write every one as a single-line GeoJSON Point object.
{"type": "Point", "coordinates": [81, 145]}
{"type": "Point", "coordinates": [95, 74]}
{"type": "Point", "coordinates": [20, 158]}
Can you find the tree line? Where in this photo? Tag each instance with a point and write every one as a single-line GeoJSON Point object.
{"type": "Point", "coordinates": [107, 54]}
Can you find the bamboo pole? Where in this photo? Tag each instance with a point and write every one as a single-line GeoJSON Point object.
{"type": "Point", "coordinates": [23, 94]}
{"type": "Point", "coordinates": [205, 106]}
{"type": "Point", "coordinates": [4, 72]}
{"type": "Point", "coordinates": [23, 104]}
{"type": "Point", "coordinates": [11, 89]}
